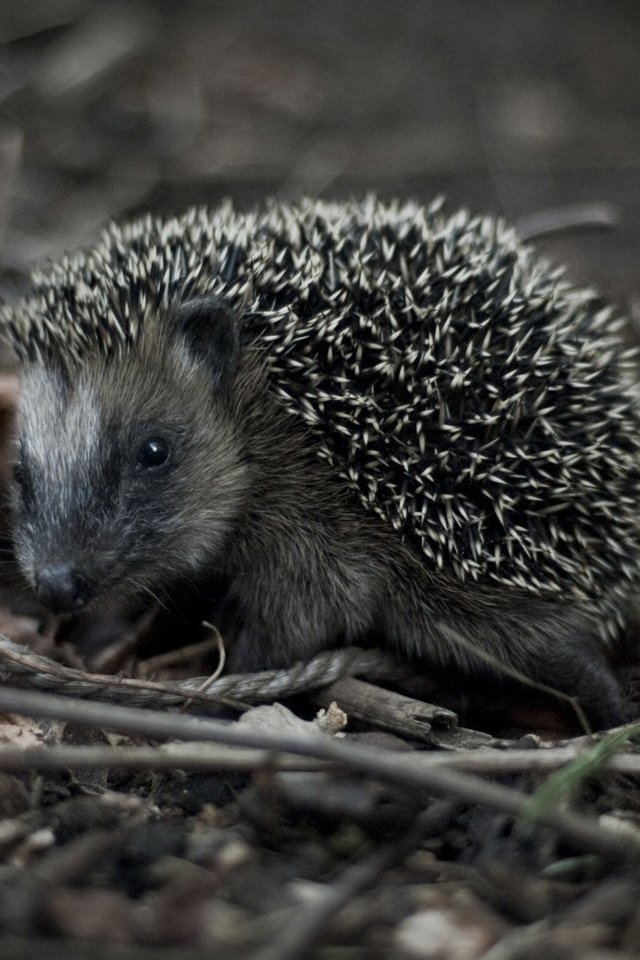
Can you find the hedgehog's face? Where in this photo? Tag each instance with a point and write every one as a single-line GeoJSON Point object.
{"type": "Point", "coordinates": [130, 472]}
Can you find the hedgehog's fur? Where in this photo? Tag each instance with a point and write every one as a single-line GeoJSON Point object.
{"type": "Point", "coordinates": [468, 396]}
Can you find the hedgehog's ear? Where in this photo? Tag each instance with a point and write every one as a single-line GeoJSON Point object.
{"type": "Point", "coordinates": [211, 332]}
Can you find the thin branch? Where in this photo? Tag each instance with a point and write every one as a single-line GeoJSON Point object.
{"type": "Point", "coordinates": [207, 757]}
{"type": "Point", "coordinates": [235, 690]}
{"type": "Point", "coordinates": [386, 709]}
{"type": "Point", "coordinates": [33, 663]}
{"type": "Point", "coordinates": [386, 765]}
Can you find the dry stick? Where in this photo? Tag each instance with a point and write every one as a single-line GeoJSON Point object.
{"type": "Point", "coordinates": [502, 762]}
{"type": "Point", "coordinates": [207, 757]}
{"type": "Point", "coordinates": [222, 659]}
{"type": "Point", "coordinates": [583, 832]}
{"type": "Point", "coordinates": [34, 663]}
{"type": "Point", "coordinates": [231, 690]}
{"type": "Point", "coordinates": [385, 708]}
{"type": "Point", "coordinates": [302, 931]}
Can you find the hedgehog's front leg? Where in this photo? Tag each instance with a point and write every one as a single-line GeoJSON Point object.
{"type": "Point", "coordinates": [308, 589]}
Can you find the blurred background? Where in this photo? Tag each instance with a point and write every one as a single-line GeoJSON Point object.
{"type": "Point", "coordinates": [517, 108]}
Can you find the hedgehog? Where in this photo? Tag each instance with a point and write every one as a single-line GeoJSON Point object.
{"type": "Point", "coordinates": [372, 421]}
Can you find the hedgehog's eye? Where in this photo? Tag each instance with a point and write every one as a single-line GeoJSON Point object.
{"type": "Point", "coordinates": [153, 453]}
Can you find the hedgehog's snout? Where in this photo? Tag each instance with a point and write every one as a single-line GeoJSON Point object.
{"type": "Point", "coordinates": [62, 589]}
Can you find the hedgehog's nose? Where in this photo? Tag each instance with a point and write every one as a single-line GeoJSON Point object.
{"type": "Point", "coordinates": [62, 589]}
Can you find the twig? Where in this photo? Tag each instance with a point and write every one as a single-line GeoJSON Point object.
{"type": "Point", "coordinates": [386, 709]}
{"type": "Point", "coordinates": [386, 765]}
{"type": "Point", "coordinates": [245, 759]}
{"type": "Point", "coordinates": [503, 762]}
{"type": "Point", "coordinates": [222, 656]}
{"type": "Point", "coordinates": [208, 682]}
{"type": "Point", "coordinates": [33, 663]}
{"type": "Point", "coordinates": [235, 690]}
